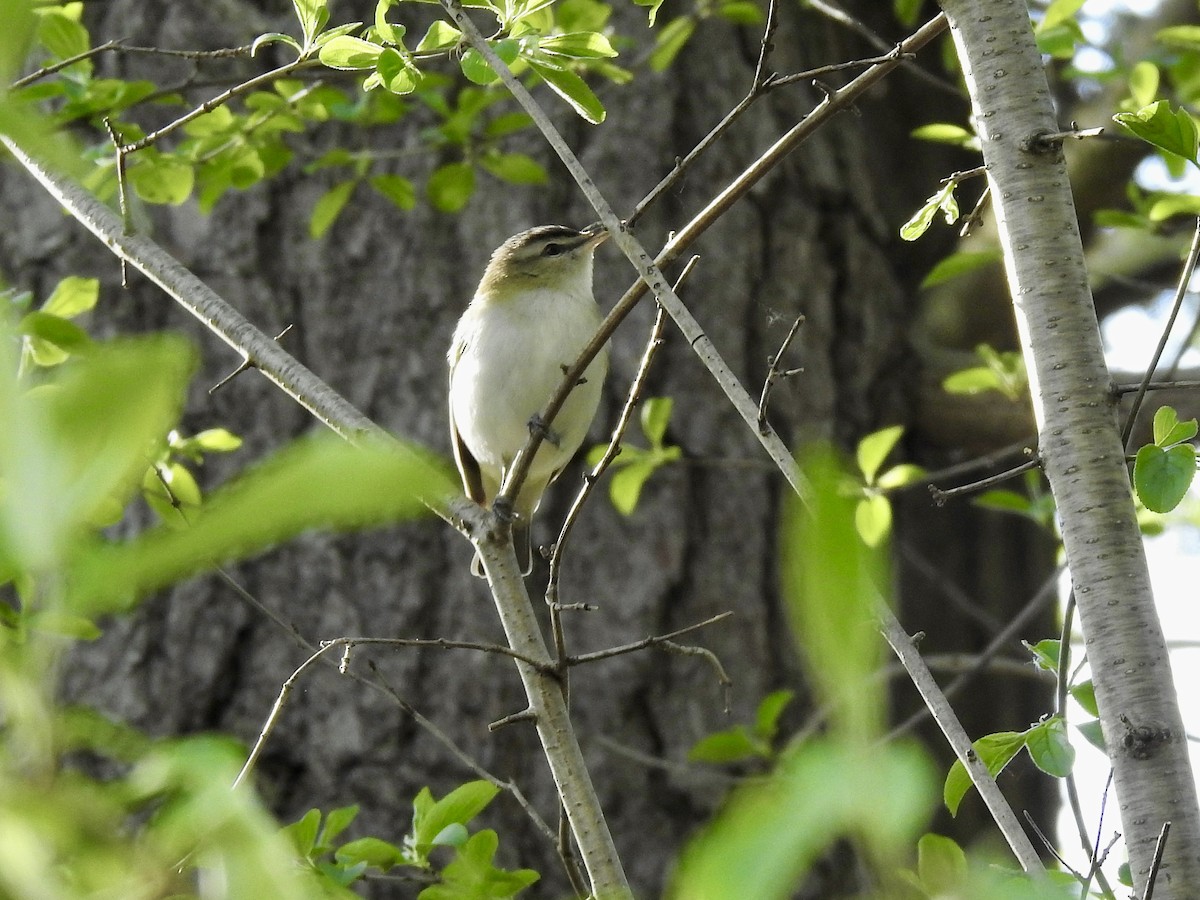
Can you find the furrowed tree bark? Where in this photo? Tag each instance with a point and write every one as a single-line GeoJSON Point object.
{"type": "Point", "coordinates": [1079, 439]}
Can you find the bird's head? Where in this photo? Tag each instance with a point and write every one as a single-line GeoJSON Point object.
{"type": "Point", "coordinates": [551, 257]}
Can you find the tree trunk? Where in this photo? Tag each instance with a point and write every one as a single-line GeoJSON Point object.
{"type": "Point", "coordinates": [1080, 441]}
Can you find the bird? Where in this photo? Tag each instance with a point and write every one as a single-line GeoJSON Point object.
{"type": "Point", "coordinates": [529, 319]}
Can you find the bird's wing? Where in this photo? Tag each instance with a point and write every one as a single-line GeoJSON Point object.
{"type": "Point", "coordinates": [468, 466]}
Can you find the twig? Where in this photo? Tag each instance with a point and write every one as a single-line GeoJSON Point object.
{"type": "Point", "coordinates": [775, 374]}
{"type": "Point", "coordinates": [201, 301]}
{"type": "Point", "coordinates": [276, 710]}
{"type": "Point", "coordinates": [655, 640]}
{"type": "Point", "coordinates": [1048, 845]}
{"type": "Point", "coordinates": [1181, 291]}
{"type": "Point", "coordinates": [906, 651]}
{"type": "Point", "coordinates": [880, 43]}
{"type": "Point", "coordinates": [120, 46]}
{"type": "Point", "coordinates": [220, 100]}
{"type": "Point", "coordinates": [959, 177]}
{"type": "Point", "coordinates": [1159, 847]}
{"type": "Point", "coordinates": [972, 218]}
{"type": "Point", "coordinates": [1038, 602]}
{"type": "Point", "coordinates": [1097, 858]}
{"type": "Point", "coordinates": [247, 363]}
{"type": "Point", "coordinates": [1121, 390]}
{"type": "Point", "coordinates": [941, 496]}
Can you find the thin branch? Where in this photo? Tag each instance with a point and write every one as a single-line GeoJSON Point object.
{"type": "Point", "coordinates": [1121, 390]}
{"type": "Point", "coordinates": [1181, 291]}
{"type": "Point", "coordinates": [246, 364]}
{"type": "Point", "coordinates": [1159, 847]}
{"type": "Point", "coordinates": [941, 496]}
{"type": "Point", "coordinates": [201, 301]}
{"type": "Point", "coordinates": [220, 100]}
{"type": "Point", "coordinates": [776, 374]}
{"type": "Point", "coordinates": [585, 658]}
{"type": "Point", "coordinates": [1037, 603]}
{"type": "Point", "coordinates": [939, 707]}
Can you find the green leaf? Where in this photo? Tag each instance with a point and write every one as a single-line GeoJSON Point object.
{"type": "Point", "coordinates": [1085, 696]}
{"type": "Point", "coordinates": [995, 750]}
{"type": "Point", "coordinates": [440, 36]}
{"type": "Point", "coordinates": [1004, 501]}
{"type": "Point", "coordinates": [770, 833]}
{"type": "Point", "coordinates": [1044, 653]}
{"type": "Point", "coordinates": [941, 865]}
{"type": "Point", "coordinates": [71, 446]}
{"type": "Point", "coordinates": [1144, 79]}
{"type": "Point", "coordinates": [274, 37]}
{"type": "Point", "coordinates": [303, 832]}
{"type": "Point", "coordinates": [1058, 12]}
{"type": "Point", "coordinates": [873, 519]}
{"type": "Point", "coordinates": [960, 263]}
{"type": "Point", "coordinates": [51, 340]}
{"type": "Point", "coordinates": [507, 123]}
{"type": "Point", "coordinates": [906, 11]}
{"type": "Point", "coordinates": [901, 475]}
{"type": "Point", "coordinates": [372, 851]}
{"type": "Point", "coordinates": [475, 67]}
{"type": "Point", "coordinates": [72, 296]}
{"type": "Point", "coordinates": [655, 417]}
{"type": "Point", "coordinates": [729, 746]}
{"type": "Point", "coordinates": [62, 35]}
{"type": "Point", "coordinates": [971, 381]}
{"type": "Point", "coordinates": [578, 45]}
{"type": "Point", "coordinates": [460, 806]}
{"type": "Point", "coordinates": [450, 187]}
{"type": "Point", "coordinates": [1049, 747]}
{"type": "Point", "coordinates": [396, 188]}
{"type": "Point", "coordinates": [874, 449]}
{"type": "Point", "coordinates": [766, 717]}
{"type": "Point", "coordinates": [651, 8]}
{"type": "Point", "coordinates": [395, 72]}
{"type": "Point", "coordinates": [312, 15]}
{"type": "Point", "coordinates": [625, 489]}
{"type": "Point", "coordinates": [1093, 734]}
{"type": "Point", "coordinates": [741, 12]}
{"type": "Point", "coordinates": [338, 821]}
{"type": "Point", "coordinates": [1161, 477]}
{"type": "Point", "coordinates": [670, 41]}
{"type": "Point", "coordinates": [1183, 37]}
{"type": "Point", "coordinates": [1169, 430]}
{"type": "Point", "coordinates": [373, 483]}
{"type": "Point", "coordinates": [472, 875]}
{"type": "Point", "coordinates": [1060, 40]}
{"type": "Point", "coordinates": [329, 207]}
{"type": "Point", "coordinates": [162, 179]}
{"type": "Point", "coordinates": [947, 133]}
{"type": "Point", "coordinates": [385, 30]}
{"type": "Point", "coordinates": [350, 53]}
{"type": "Point", "coordinates": [216, 440]}
{"type": "Point", "coordinates": [571, 88]}
{"type": "Point", "coordinates": [942, 201]}
{"type": "Point", "coordinates": [515, 168]}
{"type": "Point", "coordinates": [1171, 130]}
{"type": "Point", "coordinates": [1166, 206]}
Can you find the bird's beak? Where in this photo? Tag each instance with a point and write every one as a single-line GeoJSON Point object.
{"type": "Point", "coordinates": [596, 235]}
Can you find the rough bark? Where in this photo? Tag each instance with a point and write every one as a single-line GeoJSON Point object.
{"type": "Point", "coordinates": [1079, 440]}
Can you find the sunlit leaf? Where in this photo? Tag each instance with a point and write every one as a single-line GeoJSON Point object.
{"type": "Point", "coordinates": [1161, 477]}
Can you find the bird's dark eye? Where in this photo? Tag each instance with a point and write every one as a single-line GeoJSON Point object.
{"type": "Point", "coordinates": [552, 250]}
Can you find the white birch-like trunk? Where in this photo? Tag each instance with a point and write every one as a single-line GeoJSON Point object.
{"type": "Point", "coordinates": [1079, 439]}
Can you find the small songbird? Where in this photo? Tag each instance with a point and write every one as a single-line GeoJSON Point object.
{"type": "Point", "coordinates": [531, 315]}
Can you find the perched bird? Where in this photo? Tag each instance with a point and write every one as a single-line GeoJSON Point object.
{"type": "Point", "coordinates": [531, 315]}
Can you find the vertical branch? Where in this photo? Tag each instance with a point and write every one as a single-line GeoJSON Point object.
{"type": "Point", "coordinates": [1079, 441]}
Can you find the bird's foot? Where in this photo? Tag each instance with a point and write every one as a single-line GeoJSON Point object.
{"type": "Point", "coordinates": [540, 428]}
{"type": "Point", "coordinates": [504, 510]}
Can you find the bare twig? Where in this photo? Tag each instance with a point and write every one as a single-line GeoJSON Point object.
{"type": "Point", "coordinates": [776, 374]}
{"type": "Point", "coordinates": [654, 641]}
{"type": "Point", "coordinates": [246, 363]}
{"type": "Point", "coordinates": [1181, 290]}
{"type": "Point", "coordinates": [941, 496]}
{"type": "Point", "coordinates": [1159, 847]}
